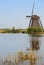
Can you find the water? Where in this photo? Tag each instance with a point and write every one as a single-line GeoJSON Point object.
{"type": "Point", "coordinates": [12, 43]}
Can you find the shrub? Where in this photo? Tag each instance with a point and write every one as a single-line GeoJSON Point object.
{"type": "Point", "coordinates": [34, 29]}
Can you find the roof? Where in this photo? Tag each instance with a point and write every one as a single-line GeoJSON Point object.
{"type": "Point", "coordinates": [35, 17]}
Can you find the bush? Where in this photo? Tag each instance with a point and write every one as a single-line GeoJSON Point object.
{"type": "Point", "coordinates": [34, 29]}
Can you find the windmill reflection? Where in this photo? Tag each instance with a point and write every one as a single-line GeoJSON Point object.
{"type": "Point", "coordinates": [35, 45]}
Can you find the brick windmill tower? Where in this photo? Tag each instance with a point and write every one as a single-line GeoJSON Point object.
{"type": "Point", "coordinates": [34, 19]}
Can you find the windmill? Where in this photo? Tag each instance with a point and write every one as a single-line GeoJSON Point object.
{"type": "Point", "coordinates": [34, 19]}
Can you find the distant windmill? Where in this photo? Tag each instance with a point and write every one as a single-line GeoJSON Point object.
{"type": "Point", "coordinates": [34, 19]}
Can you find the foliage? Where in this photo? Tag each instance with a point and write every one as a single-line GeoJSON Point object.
{"type": "Point", "coordinates": [11, 31]}
{"type": "Point", "coordinates": [34, 30]}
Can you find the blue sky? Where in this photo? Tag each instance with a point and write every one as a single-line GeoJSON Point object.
{"type": "Point", "coordinates": [13, 12]}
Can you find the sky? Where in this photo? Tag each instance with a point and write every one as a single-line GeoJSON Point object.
{"type": "Point", "coordinates": [13, 12]}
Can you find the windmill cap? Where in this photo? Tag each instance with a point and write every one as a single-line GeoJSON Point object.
{"type": "Point", "coordinates": [35, 17]}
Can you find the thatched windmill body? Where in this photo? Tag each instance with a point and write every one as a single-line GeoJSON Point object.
{"type": "Point", "coordinates": [34, 20]}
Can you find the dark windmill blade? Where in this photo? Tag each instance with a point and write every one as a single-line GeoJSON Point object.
{"type": "Point", "coordinates": [28, 16]}
{"type": "Point", "coordinates": [41, 24]}
{"type": "Point", "coordinates": [32, 13]}
{"type": "Point", "coordinates": [33, 8]}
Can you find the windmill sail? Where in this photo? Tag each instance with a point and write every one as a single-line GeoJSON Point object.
{"type": "Point", "coordinates": [34, 19]}
{"type": "Point", "coordinates": [31, 15]}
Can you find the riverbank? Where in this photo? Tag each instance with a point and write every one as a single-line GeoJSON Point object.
{"type": "Point", "coordinates": [21, 31]}
{"type": "Point", "coordinates": [13, 30]}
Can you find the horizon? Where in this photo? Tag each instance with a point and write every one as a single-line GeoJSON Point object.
{"type": "Point", "coordinates": [13, 12]}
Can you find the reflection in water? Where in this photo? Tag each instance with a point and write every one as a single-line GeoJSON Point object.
{"type": "Point", "coordinates": [35, 43]}
{"type": "Point", "coordinates": [35, 46]}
